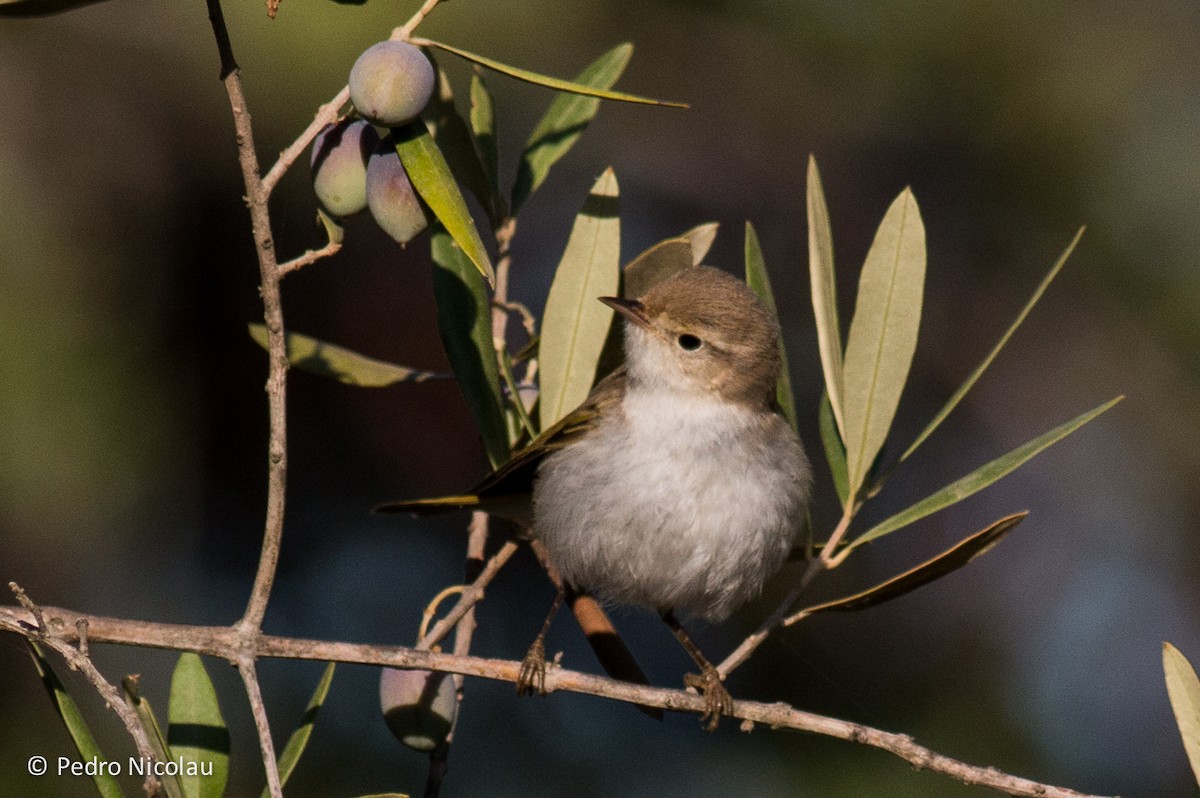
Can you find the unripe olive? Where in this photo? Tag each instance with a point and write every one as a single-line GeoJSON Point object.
{"type": "Point", "coordinates": [390, 195]}
{"type": "Point", "coordinates": [418, 706]}
{"type": "Point", "coordinates": [391, 82]}
{"type": "Point", "coordinates": [339, 166]}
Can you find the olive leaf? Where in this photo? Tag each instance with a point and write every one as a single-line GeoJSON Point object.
{"type": "Point", "coordinates": [465, 326]}
{"type": "Point", "coordinates": [758, 280]}
{"type": "Point", "coordinates": [149, 723]}
{"type": "Point", "coordinates": [981, 477]}
{"type": "Point", "coordinates": [824, 292]}
{"type": "Point", "coordinates": [701, 237]}
{"type": "Point", "coordinates": [433, 180]}
{"type": "Point", "coordinates": [835, 451]}
{"type": "Point", "coordinates": [1183, 689]}
{"type": "Point", "coordinates": [883, 335]}
{"type": "Point", "coordinates": [298, 741]}
{"type": "Point", "coordinates": [564, 122]}
{"type": "Point", "coordinates": [196, 732]}
{"type": "Point", "coordinates": [72, 718]}
{"type": "Point", "coordinates": [575, 325]}
{"type": "Point", "coordinates": [483, 125]}
{"type": "Point", "coordinates": [655, 265]}
{"type": "Point", "coordinates": [457, 143]}
{"type": "Point", "coordinates": [40, 8]}
{"type": "Point", "coordinates": [344, 365]}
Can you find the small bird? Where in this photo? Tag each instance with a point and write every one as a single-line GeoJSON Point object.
{"type": "Point", "coordinates": [677, 484]}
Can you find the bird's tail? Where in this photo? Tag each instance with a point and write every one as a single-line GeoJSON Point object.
{"type": "Point", "coordinates": [430, 506]}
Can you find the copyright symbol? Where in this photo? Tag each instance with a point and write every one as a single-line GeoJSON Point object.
{"type": "Point", "coordinates": [36, 765]}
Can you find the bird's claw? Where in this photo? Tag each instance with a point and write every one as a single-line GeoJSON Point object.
{"type": "Point", "coordinates": [717, 700]}
{"type": "Point", "coordinates": [532, 675]}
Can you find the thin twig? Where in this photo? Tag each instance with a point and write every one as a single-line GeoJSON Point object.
{"type": "Point", "coordinates": [471, 596]}
{"type": "Point", "coordinates": [227, 642]}
{"type": "Point", "coordinates": [310, 257]}
{"type": "Point", "coordinates": [249, 674]}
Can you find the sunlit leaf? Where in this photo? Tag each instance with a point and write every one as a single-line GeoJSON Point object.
{"type": "Point", "coordinates": [987, 361]}
{"type": "Point", "coordinates": [835, 452]}
{"type": "Point", "coordinates": [296, 744]}
{"type": "Point", "coordinates": [334, 232]}
{"type": "Point", "coordinates": [433, 180]}
{"type": "Point", "coordinates": [981, 477]}
{"type": "Point", "coordinates": [575, 325]}
{"type": "Point", "coordinates": [483, 125]}
{"type": "Point", "coordinates": [69, 714]}
{"type": "Point", "coordinates": [655, 265]}
{"type": "Point", "coordinates": [824, 292]}
{"type": "Point", "coordinates": [196, 732]}
{"type": "Point", "coordinates": [934, 568]}
{"type": "Point", "coordinates": [883, 335]}
{"type": "Point", "coordinates": [456, 142]}
{"type": "Point", "coordinates": [701, 238]}
{"type": "Point", "coordinates": [758, 279]}
{"type": "Point", "coordinates": [149, 723]}
{"type": "Point", "coordinates": [1183, 688]}
{"type": "Point", "coordinates": [574, 87]}
{"type": "Point", "coordinates": [344, 365]}
{"type": "Point", "coordinates": [564, 122]}
{"type": "Point", "coordinates": [515, 402]}
{"type": "Point", "coordinates": [465, 325]}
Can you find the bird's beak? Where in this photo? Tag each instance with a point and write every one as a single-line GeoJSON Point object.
{"type": "Point", "coordinates": [631, 309]}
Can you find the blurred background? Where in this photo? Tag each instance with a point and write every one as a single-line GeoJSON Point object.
{"type": "Point", "coordinates": [133, 420]}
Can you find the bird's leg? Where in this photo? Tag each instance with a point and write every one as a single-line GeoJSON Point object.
{"type": "Point", "coordinates": [533, 667]}
{"type": "Point", "coordinates": [717, 701]}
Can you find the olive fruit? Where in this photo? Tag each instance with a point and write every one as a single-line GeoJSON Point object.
{"type": "Point", "coordinates": [339, 166]}
{"type": "Point", "coordinates": [391, 82]}
{"type": "Point", "coordinates": [390, 195]}
{"type": "Point", "coordinates": [418, 706]}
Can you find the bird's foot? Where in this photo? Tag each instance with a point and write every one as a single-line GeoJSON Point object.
{"type": "Point", "coordinates": [717, 700]}
{"type": "Point", "coordinates": [532, 675]}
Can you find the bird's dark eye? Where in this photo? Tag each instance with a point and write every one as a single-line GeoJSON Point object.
{"type": "Point", "coordinates": [689, 342]}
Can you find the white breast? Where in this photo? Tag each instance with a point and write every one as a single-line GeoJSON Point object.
{"type": "Point", "coordinates": [680, 503]}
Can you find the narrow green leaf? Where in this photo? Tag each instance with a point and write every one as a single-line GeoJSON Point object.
{"type": "Point", "coordinates": [158, 742]}
{"type": "Point", "coordinates": [40, 8]}
{"type": "Point", "coordinates": [758, 279]}
{"type": "Point", "coordinates": [433, 180]}
{"type": "Point", "coordinates": [883, 334]}
{"type": "Point", "coordinates": [465, 325]}
{"type": "Point", "coordinates": [296, 744]}
{"type": "Point", "coordinates": [483, 125]}
{"type": "Point", "coordinates": [835, 451]}
{"type": "Point", "coordinates": [932, 569]}
{"type": "Point", "coordinates": [196, 731]}
{"type": "Point", "coordinates": [701, 238]}
{"type": "Point", "coordinates": [344, 365]}
{"type": "Point", "coordinates": [574, 324]}
{"type": "Point", "coordinates": [987, 361]}
{"type": "Point", "coordinates": [824, 291]}
{"type": "Point", "coordinates": [72, 718]}
{"type": "Point", "coordinates": [574, 87]}
{"type": "Point", "coordinates": [457, 142]}
{"type": "Point", "coordinates": [334, 232]}
{"type": "Point", "coordinates": [514, 395]}
{"type": "Point", "coordinates": [1183, 688]}
{"type": "Point", "coordinates": [981, 477]}
{"type": "Point", "coordinates": [564, 122]}
{"type": "Point", "coordinates": [655, 265]}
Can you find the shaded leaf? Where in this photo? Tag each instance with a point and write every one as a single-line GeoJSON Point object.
{"type": "Point", "coordinates": [465, 326]}
{"type": "Point", "coordinates": [296, 744]}
{"type": "Point", "coordinates": [835, 452]}
{"type": "Point", "coordinates": [149, 723]}
{"type": "Point", "coordinates": [564, 122]}
{"type": "Point", "coordinates": [431, 177]}
{"type": "Point", "coordinates": [981, 477]}
{"type": "Point", "coordinates": [483, 125]}
{"type": "Point", "coordinates": [196, 731]}
{"type": "Point", "coordinates": [574, 87]}
{"type": "Point", "coordinates": [515, 402]}
{"type": "Point", "coordinates": [883, 335]}
{"type": "Point", "coordinates": [987, 361]}
{"type": "Point", "coordinates": [1183, 688]}
{"type": "Point", "coordinates": [72, 718]}
{"type": "Point", "coordinates": [457, 143]}
{"type": "Point", "coordinates": [40, 8]}
{"type": "Point", "coordinates": [824, 292]}
{"type": "Point", "coordinates": [701, 238]}
{"type": "Point", "coordinates": [575, 324]}
{"type": "Point", "coordinates": [344, 365]}
{"type": "Point", "coordinates": [655, 265]}
{"type": "Point", "coordinates": [758, 280]}
{"type": "Point", "coordinates": [934, 568]}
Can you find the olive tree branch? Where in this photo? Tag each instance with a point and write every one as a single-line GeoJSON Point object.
{"type": "Point", "coordinates": [226, 642]}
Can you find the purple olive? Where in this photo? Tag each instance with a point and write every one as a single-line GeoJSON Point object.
{"type": "Point", "coordinates": [390, 195]}
{"type": "Point", "coordinates": [391, 82]}
{"type": "Point", "coordinates": [339, 166]}
{"type": "Point", "coordinates": [418, 706]}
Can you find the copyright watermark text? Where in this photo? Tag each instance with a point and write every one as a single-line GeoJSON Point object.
{"type": "Point", "coordinates": [134, 766]}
